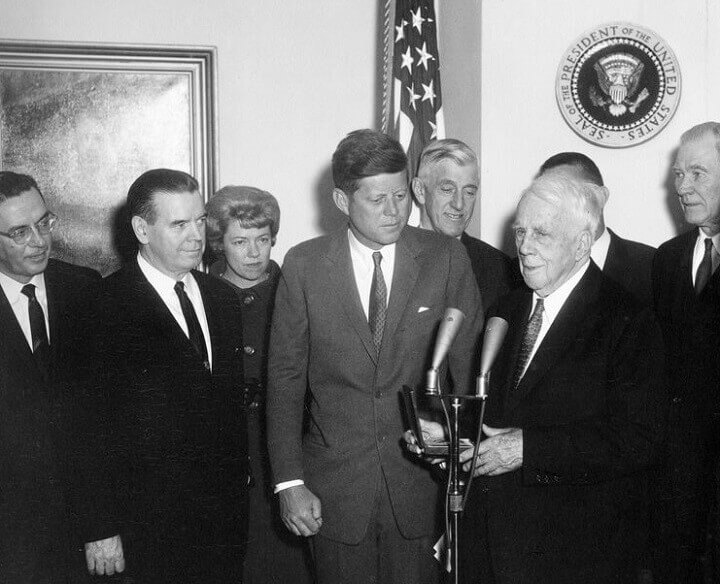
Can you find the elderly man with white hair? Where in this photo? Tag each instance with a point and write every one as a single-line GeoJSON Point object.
{"type": "Point", "coordinates": [574, 409]}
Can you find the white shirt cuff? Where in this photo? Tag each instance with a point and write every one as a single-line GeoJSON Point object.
{"type": "Point", "coordinates": [287, 484]}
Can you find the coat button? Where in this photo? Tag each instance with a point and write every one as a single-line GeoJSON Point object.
{"type": "Point", "coordinates": [249, 299]}
{"type": "Point", "coordinates": [249, 350]}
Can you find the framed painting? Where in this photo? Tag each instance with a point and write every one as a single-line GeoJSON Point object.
{"type": "Point", "coordinates": [86, 120]}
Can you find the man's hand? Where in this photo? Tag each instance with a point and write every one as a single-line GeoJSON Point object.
{"type": "Point", "coordinates": [500, 452]}
{"type": "Point", "coordinates": [431, 431]}
{"type": "Point", "coordinates": [300, 510]}
{"type": "Point", "coordinates": [105, 557]}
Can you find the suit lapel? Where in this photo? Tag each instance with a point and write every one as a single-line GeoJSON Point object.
{"type": "Point", "coordinates": [157, 314]}
{"type": "Point", "coordinates": [563, 332]}
{"type": "Point", "coordinates": [55, 300]}
{"type": "Point", "coordinates": [342, 277]}
{"type": "Point", "coordinates": [517, 320]}
{"type": "Point", "coordinates": [403, 282]}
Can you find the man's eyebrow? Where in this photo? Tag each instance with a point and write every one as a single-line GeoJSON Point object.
{"type": "Point", "coordinates": [25, 225]}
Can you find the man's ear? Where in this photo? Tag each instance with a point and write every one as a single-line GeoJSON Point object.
{"type": "Point", "coordinates": [418, 188]}
{"type": "Point", "coordinates": [341, 201]}
{"type": "Point", "coordinates": [585, 241]}
{"type": "Point", "coordinates": [139, 226]}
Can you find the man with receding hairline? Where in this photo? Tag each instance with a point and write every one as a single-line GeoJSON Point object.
{"type": "Point", "coordinates": [165, 492]}
{"type": "Point", "coordinates": [446, 189]}
{"type": "Point", "coordinates": [39, 300]}
{"type": "Point", "coordinates": [686, 286]}
{"type": "Point", "coordinates": [574, 409]}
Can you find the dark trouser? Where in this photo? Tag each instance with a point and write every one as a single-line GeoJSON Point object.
{"type": "Point", "coordinates": [685, 494]}
{"type": "Point", "coordinates": [384, 556]}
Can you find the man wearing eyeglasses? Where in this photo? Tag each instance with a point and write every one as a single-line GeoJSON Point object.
{"type": "Point", "coordinates": [37, 297]}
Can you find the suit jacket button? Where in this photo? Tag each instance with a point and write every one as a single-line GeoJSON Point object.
{"type": "Point", "coordinates": [249, 350]}
{"type": "Point", "coordinates": [677, 400]}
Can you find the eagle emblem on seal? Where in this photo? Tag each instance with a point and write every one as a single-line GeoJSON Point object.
{"type": "Point", "coordinates": [619, 77]}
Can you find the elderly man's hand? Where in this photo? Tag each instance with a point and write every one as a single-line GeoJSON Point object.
{"type": "Point", "coordinates": [300, 510]}
{"type": "Point", "coordinates": [500, 452]}
{"type": "Point", "coordinates": [105, 556]}
{"type": "Point", "coordinates": [432, 432]}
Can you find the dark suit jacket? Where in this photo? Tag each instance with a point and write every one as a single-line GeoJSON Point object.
{"type": "Point", "coordinates": [493, 270]}
{"type": "Point", "coordinates": [691, 330]}
{"type": "Point", "coordinates": [590, 406]}
{"type": "Point", "coordinates": [171, 474]}
{"type": "Point", "coordinates": [321, 342]}
{"type": "Point", "coordinates": [629, 263]}
{"type": "Point", "coordinates": [34, 535]}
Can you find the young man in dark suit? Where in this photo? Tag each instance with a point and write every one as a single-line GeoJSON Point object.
{"type": "Point", "coordinates": [355, 319]}
{"type": "Point", "coordinates": [446, 188]}
{"type": "Point", "coordinates": [575, 409]}
{"type": "Point", "coordinates": [628, 263]}
{"type": "Point", "coordinates": [686, 286]}
{"type": "Point", "coordinates": [165, 489]}
{"type": "Point", "coordinates": [38, 305]}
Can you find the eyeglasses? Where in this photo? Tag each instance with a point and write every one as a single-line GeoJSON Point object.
{"type": "Point", "coordinates": [22, 235]}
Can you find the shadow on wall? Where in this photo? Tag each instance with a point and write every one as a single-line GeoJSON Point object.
{"type": "Point", "coordinates": [329, 217]}
{"type": "Point", "coordinates": [123, 237]}
{"type": "Point", "coordinates": [671, 200]}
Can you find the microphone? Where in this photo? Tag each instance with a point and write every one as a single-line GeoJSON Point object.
{"type": "Point", "coordinates": [495, 332]}
{"type": "Point", "coordinates": [448, 330]}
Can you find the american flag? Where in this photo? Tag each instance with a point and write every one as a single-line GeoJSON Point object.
{"type": "Point", "coordinates": [417, 105]}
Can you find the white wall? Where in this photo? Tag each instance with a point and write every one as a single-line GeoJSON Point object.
{"type": "Point", "coordinates": [522, 44]}
{"type": "Point", "coordinates": [293, 79]}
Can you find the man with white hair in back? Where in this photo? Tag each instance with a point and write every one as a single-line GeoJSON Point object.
{"type": "Point", "coordinates": [574, 408]}
{"type": "Point", "coordinates": [446, 188]}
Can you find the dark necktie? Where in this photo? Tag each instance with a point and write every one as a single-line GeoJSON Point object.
{"type": "Point", "coordinates": [378, 302]}
{"type": "Point", "coordinates": [40, 343]}
{"type": "Point", "coordinates": [195, 332]}
{"type": "Point", "coordinates": [532, 330]}
{"type": "Point", "coordinates": [705, 267]}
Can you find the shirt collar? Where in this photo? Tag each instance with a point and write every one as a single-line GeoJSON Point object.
{"type": "Point", "coordinates": [13, 288]}
{"type": "Point", "coordinates": [363, 253]}
{"type": "Point", "coordinates": [700, 242]}
{"type": "Point", "coordinates": [553, 302]}
{"type": "Point", "coordinates": [600, 248]}
{"type": "Point", "coordinates": [161, 282]}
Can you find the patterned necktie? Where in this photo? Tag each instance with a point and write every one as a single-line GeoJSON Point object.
{"type": "Point", "coordinates": [532, 330]}
{"type": "Point", "coordinates": [378, 302]}
{"type": "Point", "coordinates": [196, 335]}
{"type": "Point", "coordinates": [705, 268]}
{"type": "Point", "coordinates": [38, 332]}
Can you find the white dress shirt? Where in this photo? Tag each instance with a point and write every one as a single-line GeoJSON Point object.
{"type": "Point", "coordinates": [599, 249]}
{"type": "Point", "coordinates": [164, 285]}
{"type": "Point", "coordinates": [699, 252]}
{"type": "Point", "coordinates": [19, 302]}
{"type": "Point", "coordinates": [552, 304]}
{"type": "Point", "coordinates": [363, 268]}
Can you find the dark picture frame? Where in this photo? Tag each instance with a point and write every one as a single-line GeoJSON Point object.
{"type": "Point", "coordinates": [85, 120]}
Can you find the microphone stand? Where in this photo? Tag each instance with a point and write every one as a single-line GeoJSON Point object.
{"type": "Point", "coordinates": [456, 495]}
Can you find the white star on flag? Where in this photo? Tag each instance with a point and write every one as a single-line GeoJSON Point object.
{"type": "Point", "coordinates": [424, 56]}
{"type": "Point", "coordinates": [400, 30]}
{"type": "Point", "coordinates": [413, 96]}
{"type": "Point", "coordinates": [407, 60]}
{"type": "Point", "coordinates": [417, 20]}
{"type": "Point", "coordinates": [429, 93]}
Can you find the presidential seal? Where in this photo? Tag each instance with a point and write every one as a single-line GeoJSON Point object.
{"type": "Point", "coordinates": [618, 85]}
